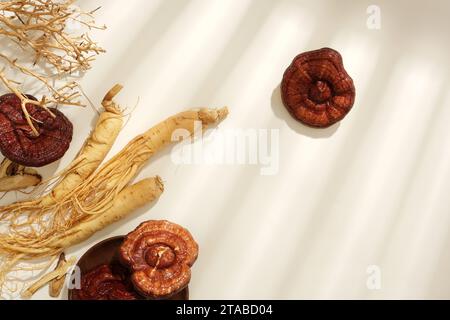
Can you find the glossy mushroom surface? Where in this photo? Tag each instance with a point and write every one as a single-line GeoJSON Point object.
{"type": "Point", "coordinates": [160, 255]}
{"type": "Point", "coordinates": [18, 142]}
{"type": "Point", "coordinates": [106, 282]}
{"type": "Point", "coordinates": [316, 89]}
{"type": "Point", "coordinates": [106, 252]}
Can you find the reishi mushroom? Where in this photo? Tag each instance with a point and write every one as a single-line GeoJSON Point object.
{"type": "Point", "coordinates": [18, 142]}
{"type": "Point", "coordinates": [106, 282]}
{"type": "Point", "coordinates": [160, 255]}
{"type": "Point", "coordinates": [316, 89]}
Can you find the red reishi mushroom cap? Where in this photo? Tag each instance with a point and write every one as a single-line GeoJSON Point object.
{"type": "Point", "coordinates": [106, 282]}
{"type": "Point", "coordinates": [316, 89]}
{"type": "Point", "coordinates": [160, 255]}
{"type": "Point", "coordinates": [18, 142]}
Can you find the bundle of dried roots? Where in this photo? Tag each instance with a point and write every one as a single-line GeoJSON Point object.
{"type": "Point", "coordinates": [90, 196]}
{"type": "Point", "coordinates": [37, 43]}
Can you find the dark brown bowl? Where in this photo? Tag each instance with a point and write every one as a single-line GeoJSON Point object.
{"type": "Point", "coordinates": [107, 252]}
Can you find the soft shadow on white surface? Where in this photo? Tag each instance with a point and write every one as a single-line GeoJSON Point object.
{"type": "Point", "coordinates": [369, 192]}
{"type": "Point", "coordinates": [357, 130]}
{"type": "Point", "coordinates": [249, 25]}
{"type": "Point", "coordinates": [154, 29]}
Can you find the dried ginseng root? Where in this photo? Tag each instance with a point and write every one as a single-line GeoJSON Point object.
{"type": "Point", "coordinates": [37, 44]}
{"type": "Point", "coordinates": [17, 177]}
{"type": "Point", "coordinates": [60, 271]}
{"type": "Point", "coordinates": [44, 227]}
{"type": "Point", "coordinates": [56, 285]}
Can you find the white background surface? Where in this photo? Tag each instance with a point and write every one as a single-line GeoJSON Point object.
{"type": "Point", "coordinates": [372, 190]}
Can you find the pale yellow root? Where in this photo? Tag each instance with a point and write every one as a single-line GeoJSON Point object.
{"type": "Point", "coordinates": [16, 177]}
{"type": "Point", "coordinates": [123, 167]}
{"type": "Point", "coordinates": [161, 135]}
{"type": "Point", "coordinates": [91, 155]}
{"type": "Point", "coordinates": [58, 272]}
{"type": "Point", "coordinates": [128, 200]}
{"type": "Point", "coordinates": [94, 150]}
{"type": "Point", "coordinates": [19, 182]}
{"type": "Point", "coordinates": [100, 199]}
{"type": "Point", "coordinates": [96, 194]}
{"type": "Point", "coordinates": [5, 167]}
{"type": "Point", "coordinates": [55, 286]}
